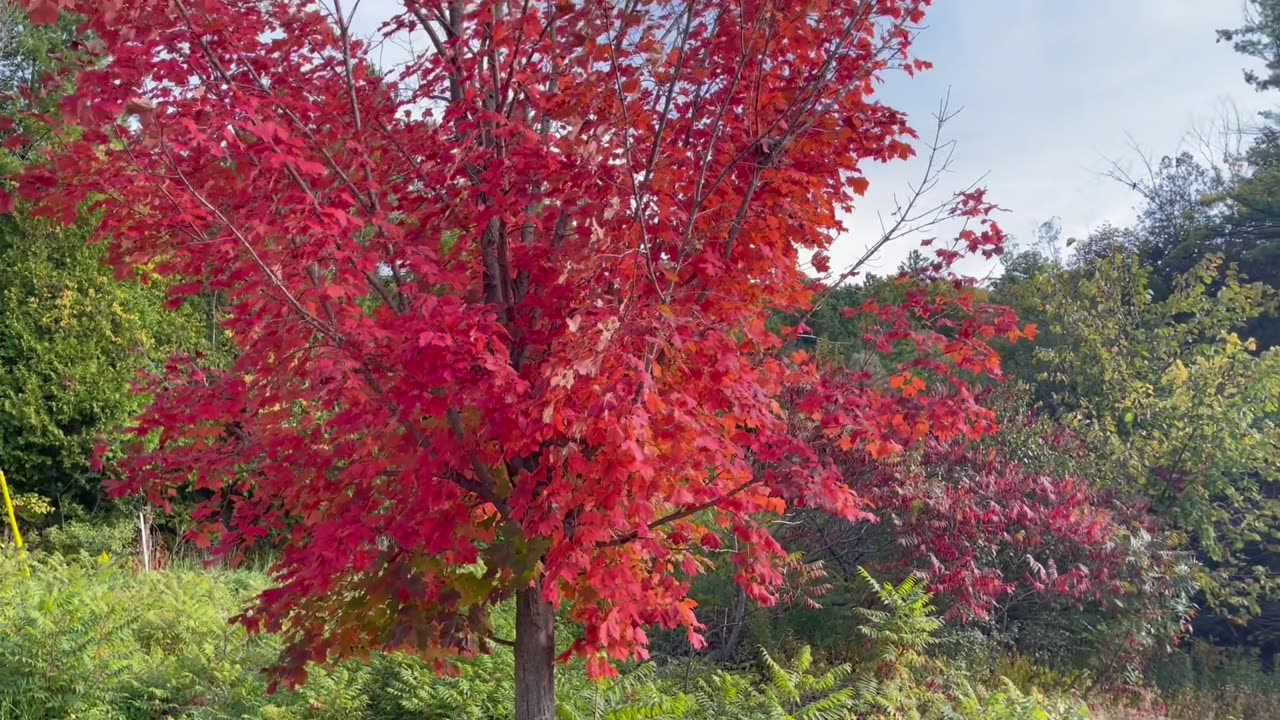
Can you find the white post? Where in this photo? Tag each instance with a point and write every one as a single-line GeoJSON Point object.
{"type": "Point", "coordinates": [146, 540]}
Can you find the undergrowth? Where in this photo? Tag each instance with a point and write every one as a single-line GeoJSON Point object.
{"type": "Point", "coordinates": [93, 639]}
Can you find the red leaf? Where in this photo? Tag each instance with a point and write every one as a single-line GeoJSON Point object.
{"type": "Point", "coordinates": [44, 12]}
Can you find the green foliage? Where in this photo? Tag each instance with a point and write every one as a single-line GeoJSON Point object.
{"type": "Point", "coordinates": [32, 508]}
{"type": "Point", "coordinates": [1259, 38]}
{"type": "Point", "coordinates": [72, 341]}
{"type": "Point", "coordinates": [1177, 408]}
{"type": "Point", "coordinates": [89, 639]}
{"type": "Point", "coordinates": [1210, 683]}
{"type": "Point", "coordinates": [92, 640]}
{"type": "Point", "coordinates": [904, 628]}
{"type": "Point", "coordinates": [113, 536]}
{"type": "Point", "coordinates": [729, 696]}
{"type": "Point", "coordinates": [638, 695]}
{"type": "Point", "coordinates": [899, 634]}
{"type": "Point", "coordinates": [402, 687]}
{"type": "Point", "coordinates": [1251, 210]}
{"type": "Point", "coordinates": [794, 692]}
{"type": "Point", "coordinates": [1009, 702]}
{"type": "Point", "coordinates": [901, 679]}
{"type": "Point", "coordinates": [1028, 676]}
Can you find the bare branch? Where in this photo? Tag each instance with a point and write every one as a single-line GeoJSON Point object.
{"type": "Point", "coordinates": [912, 216]}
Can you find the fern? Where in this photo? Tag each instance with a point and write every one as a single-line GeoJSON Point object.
{"type": "Point", "coordinates": [793, 692]}
{"type": "Point", "coordinates": [636, 695]}
{"type": "Point", "coordinates": [725, 696]}
{"type": "Point", "coordinates": [906, 627]}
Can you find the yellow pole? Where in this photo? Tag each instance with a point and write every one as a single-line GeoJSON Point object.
{"type": "Point", "coordinates": [8, 506]}
{"type": "Point", "coordinates": [13, 518]}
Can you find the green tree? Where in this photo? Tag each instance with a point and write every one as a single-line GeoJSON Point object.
{"type": "Point", "coordinates": [1181, 408]}
{"type": "Point", "coordinates": [72, 341]}
{"type": "Point", "coordinates": [1259, 38]}
{"type": "Point", "coordinates": [1180, 220]}
{"type": "Point", "coordinates": [1249, 229]}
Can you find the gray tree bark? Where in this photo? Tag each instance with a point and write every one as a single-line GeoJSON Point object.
{"type": "Point", "coordinates": [535, 656]}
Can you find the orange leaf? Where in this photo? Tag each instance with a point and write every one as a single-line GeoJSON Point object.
{"type": "Point", "coordinates": [653, 402]}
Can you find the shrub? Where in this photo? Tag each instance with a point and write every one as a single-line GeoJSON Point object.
{"type": "Point", "coordinates": [116, 537]}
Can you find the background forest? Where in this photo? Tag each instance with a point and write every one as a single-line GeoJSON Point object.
{"type": "Point", "coordinates": [1111, 551]}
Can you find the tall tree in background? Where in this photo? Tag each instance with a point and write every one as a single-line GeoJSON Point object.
{"type": "Point", "coordinates": [1257, 39]}
{"type": "Point", "coordinates": [501, 316]}
{"type": "Point", "coordinates": [1251, 226]}
{"type": "Point", "coordinates": [1179, 409]}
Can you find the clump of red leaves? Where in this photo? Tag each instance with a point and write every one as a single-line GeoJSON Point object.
{"type": "Point", "coordinates": [980, 526]}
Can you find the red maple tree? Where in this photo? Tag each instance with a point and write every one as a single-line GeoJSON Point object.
{"type": "Point", "coordinates": [500, 313]}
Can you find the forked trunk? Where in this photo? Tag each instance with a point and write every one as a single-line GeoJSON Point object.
{"type": "Point", "coordinates": [535, 656]}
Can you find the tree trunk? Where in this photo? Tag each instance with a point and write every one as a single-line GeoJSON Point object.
{"type": "Point", "coordinates": [535, 656]}
{"type": "Point", "coordinates": [730, 647]}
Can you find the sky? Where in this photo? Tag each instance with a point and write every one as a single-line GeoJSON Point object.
{"type": "Point", "coordinates": [1050, 92]}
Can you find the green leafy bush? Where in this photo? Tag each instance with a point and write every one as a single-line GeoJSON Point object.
{"type": "Point", "coordinates": [72, 341]}
{"type": "Point", "coordinates": [116, 537]}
